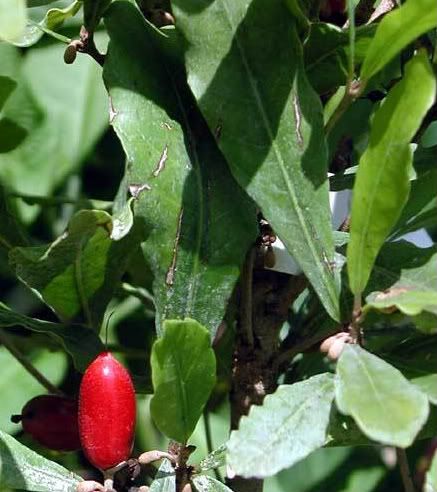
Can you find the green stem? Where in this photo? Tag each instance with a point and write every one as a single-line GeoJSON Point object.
{"type": "Point", "coordinates": [30, 368]}
{"type": "Point", "coordinates": [208, 437]}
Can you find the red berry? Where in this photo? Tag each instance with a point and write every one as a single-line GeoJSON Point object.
{"type": "Point", "coordinates": [52, 421]}
{"type": "Point", "coordinates": [106, 412]}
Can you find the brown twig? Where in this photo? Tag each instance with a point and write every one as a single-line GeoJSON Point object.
{"type": "Point", "coordinates": [405, 470]}
{"type": "Point", "coordinates": [89, 47]}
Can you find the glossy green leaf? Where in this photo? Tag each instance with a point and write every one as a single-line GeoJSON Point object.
{"type": "Point", "coordinates": [183, 375]}
{"type": "Point", "coordinates": [53, 19]}
{"type": "Point", "coordinates": [386, 407]}
{"type": "Point", "coordinates": [203, 483]}
{"type": "Point", "coordinates": [431, 477]}
{"type": "Point", "coordinates": [12, 19]}
{"type": "Point", "coordinates": [267, 119]}
{"type": "Point", "coordinates": [326, 54]}
{"type": "Point", "coordinates": [382, 183]}
{"type": "Point", "coordinates": [22, 468]}
{"type": "Point", "coordinates": [25, 387]}
{"type": "Point", "coordinates": [189, 197]}
{"type": "Point", "coordinates": [77, 274]}
{"type": "Point", "coordinates": [93, 11]}
{"type": "Point", "coordinates": [397, 29]}
{"type": "Point", "coordinates": [80, 342]}
{"type": "Point", "coordinates": [291, 423]}
{"type": "Point", "coordinates": [165, 480]}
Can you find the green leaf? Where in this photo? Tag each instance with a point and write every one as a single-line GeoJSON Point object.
{"type": "Point", "coordinates": [77, 274]}
{"type": "Point", "coordinates": [215, 459]}
{"type": "Point", "coordinates": [7, 85]}
{"type": "Point", "coordinates": [382, 183]}
{"type": "Point", "coordinates": [398, 29]}
{"type": "Point", "coordinates": [93, 11]}
{"type": "Point", "coordinates": [203, 483]}
{"type": "Point", "coordinates": [386, 407]}
{"type": "Point", "coordinates": [12, 19]}
{"type": "Point", "coordinates": [409, 302]}
{"type": "Point", "coordinates": [431, 477]}
{"type": "Point", "coordinates": [68, 113]}
{"type": "Point", "coordinates": [189, 198]}
{"type": "Point", "coordinates": [421, 208]}
{"type": "Point", "coordinates": [291, 423]}
{"type": "Point", "coordinates": [25, 386]}
{"type": "Point", "coordinates": [53, 19]}
{"type": "Point", "coordinates": [326, 54]}
{"type": "Point", "coordinates": [22, 468]}
{"type": "Point", "coordinates": [183, 375]}
{"type": "Point", "coordinates": [38, 3]}
{"type": "Point", "coordinates": [403, 265]}
{"type": "Point", "coordinates": [80, 342]}
{"type": "Point", "coordinates": [269, 120]}
{"type": "Point", "coordinates": [11, 233]}
{"type": "Point", "coordinates": [165, 480]}
{"type": "Point", "coordinates": [417, 360]}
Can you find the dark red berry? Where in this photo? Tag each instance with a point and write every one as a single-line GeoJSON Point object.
{"type": "Point", "coordinates": [52, 421]}
{"type": "Point", "coordinates": [106, 412]}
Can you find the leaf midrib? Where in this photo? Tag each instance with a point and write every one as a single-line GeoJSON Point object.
{"type": "Point", "coordinates": [288, 183]}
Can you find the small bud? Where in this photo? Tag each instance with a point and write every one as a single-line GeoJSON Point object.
{"type": "Point", "coordinates": [90, 486]}
{"type": "Point", "coordinates": [70, 53]}
{"type": "Point", "coordinates": [326, 344]}
{"type": "Point", "coordinates": [336, 349]}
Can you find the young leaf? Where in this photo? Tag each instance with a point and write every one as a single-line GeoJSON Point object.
{"type": "Point", "coordinates": [291, 423]}
{"type": "Point", "coordinates": [189, 198]}
{"type": "Point", "coordinates": [431, 477]}
{"type": "Point", "coordinates": [397, 29]}
{"type": "Point", "coordinates": [214, 459]}
{"type": "Point", "coordinates": [53, 19]}
{"type": "Point", "coordinates": [382, 183]}
{"type": "Point", "coordinates": [409, 302]}
{"type": "Point", "coordinates": [269, 120]}
{"type": "Point", "coordinates": [12, 19]}
{"type": "Point", "coordinates": [77, 274]}
{"type": "Point", "coordinates": [165, 480]}
{"type": "Point", "coordinates": [22, 468]}
{"type": "Point", "coordinates": [81, 343]}
{"type": "Point", "coordinates": [203, 483]}
{"type": "Point", "coordinates": [183, 375]}
{"type": "Point", "coordinates": [386, 407]}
